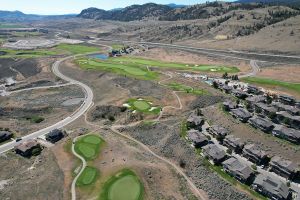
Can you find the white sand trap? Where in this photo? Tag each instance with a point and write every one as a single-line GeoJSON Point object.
{"type": "Point", "coordinates": [152, 108]}
{"type": "Point", "coordinates": [126, 105]}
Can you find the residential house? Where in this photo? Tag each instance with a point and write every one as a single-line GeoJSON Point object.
{"type": "Point", "coordinates": [54, 135]}
{"type": "Point", "coordinates": [218, 132]}
{"type": "Point", "coordinates": [239, 94]}
{"type": "Point", "coordinates": [282, 167]}
{"type": "Point", "coordinates": [255, 154]}
{"type": "Point", "coordinates": [29, 148]}
{"type": "Point", "coordinates": [261, 123]}
{"type": "Point", "coordinates": [242, 114]}
{"type": "Point", "coordinates": [293, 110]}
{"type": "Point", "coordinates": [195, 122]}
{"type": "Point", "coordinates": [233, 143]}
{"type": "Point", "coordinates": [198, 140]}
{"type": "Point", "coordinates": [288, 100]}
{"type": "Point", "coordinates": [214, 153]}
{"type": "Point", "coordinates": [225, 88]}
{"type": "Point", "coordinates": [271, 187]}
{"type": "Point", "coordinates": [229, 105]}
{"type": "Point", "coordinates": [251, 89]}
{"type": "Point", "coordinates": [237, 169]}
{"type": "Point", "coordinates": [5, 135]}
{"type": "Point", "coordinates": [251, 101]}
{"type": "Point", "coordinates": [265, 109]}
{"type": "Point", "coordinates": [287, 118]}
{"type": "Point", "coordinates": [286, 133]}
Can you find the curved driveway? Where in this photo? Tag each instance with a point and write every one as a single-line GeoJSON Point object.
{"type": "Point", "coordinates": [79, 112]}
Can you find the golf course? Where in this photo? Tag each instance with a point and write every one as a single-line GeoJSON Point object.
{"type": "Point", "coordinates": [88, 176]}
{"type": "Point", "coordinates": [124, 185]}
{"type": "Point", "coordinates": [184, 88]}
{"type": "Point", "coordinates": [89, 146]}
{"type": "Point", "coordinates": [141, 105]}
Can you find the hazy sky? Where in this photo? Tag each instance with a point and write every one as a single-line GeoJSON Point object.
{"type": "Point", "coordinates": [75, 6]}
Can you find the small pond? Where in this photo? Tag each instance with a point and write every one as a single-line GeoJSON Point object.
{"type": "Point", "coordinates": [99, 56]}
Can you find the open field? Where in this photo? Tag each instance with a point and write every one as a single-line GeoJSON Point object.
{"type": "Point", "coordinates": [143, 106]}
{"type": "Point", "coordinates": [88, 176]}
{"type": "Point", "coordinates": [27, 53]}
{"type": "Point", "coordinates": [124, 185]}
{"type": "Point", "coordinates": [77, 48]}
{"type": "Point", "coordinates": [89, 146]}
{"type": "Point", "coordinates": [6, 25]}
{"type": "Point", "coordinates": [274, 84]}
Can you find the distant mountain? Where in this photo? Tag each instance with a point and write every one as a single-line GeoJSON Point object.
{"type": "Point", "coordinates": [173, 5]}
{"type": "Point", "coordinates": [18, 16]}
{"type": "Point", "coordinates": [130, 13]}
{"type": "Point", "coordinates": [273, 2]}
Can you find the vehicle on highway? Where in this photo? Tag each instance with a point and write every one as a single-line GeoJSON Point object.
{"type": "Point", "coordinates": [18, 139]}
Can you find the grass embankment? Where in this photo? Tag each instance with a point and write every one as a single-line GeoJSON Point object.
{"type": "Point", "coordinates": [27, 53]}
{"type": "Point", "coordinates": [117, 46]}
{"type": "Point", "coordinates": [274, 84]}
{"type": "Point", "coordinates": [131, 70]}
{"type": "Point", "coordinates": [89, 148]}
{"type": "Point", "coordinates": [143, 106]}
{"type": "Point", "coordinates": [124, 185]}
{"type": "Point", "coordinates": [77, 48]}
{"type": "Point", "coordinates": [180, 66]}
{"type": "Point", "coordinates": [187, 89]}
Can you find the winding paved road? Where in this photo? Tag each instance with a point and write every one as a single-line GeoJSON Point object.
{"type": "Point", "coordinates": [79, 112]}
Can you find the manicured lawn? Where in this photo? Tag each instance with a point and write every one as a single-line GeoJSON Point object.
{"type": "Point", "coordinates": [88, 176]}
{"type": "Point", "coordinates": [131, 69]}
{"type": "Point", "coordinates": [77, 48]}
{"type": "Point", "coordinates": [11, 26]}
{"type": "Point", "coordinates": [273, 84]}
{"type": "Point", "coordinates": [181, 66]}
{"type": "Point", "coordinates": [89, 146]}
{"type": "Point", "coordinates": [124, 185]}
{"type": "Point", "coordinates": [143, 106]}
{"type": "Point", "coordinates": [27, 53]}
{"type": "Point", "coordinates": [117, 46]}
{"type": "Point", "coordinates": [187, 89]}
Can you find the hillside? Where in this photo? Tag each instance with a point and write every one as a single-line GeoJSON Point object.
{"type": "Point", "coordinates": [131, 13]}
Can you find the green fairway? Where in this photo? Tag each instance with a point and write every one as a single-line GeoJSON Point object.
{"type": "Point", "coordinates": [27, 53]}
{"type": "Point", "coordinates": [187, 89]}
{"type": "Point", "coordinates": [89, 146]}
{"type": "Point", "coordinates": [274, 84]}
{"type": "Point", "coordinates": [11, 26]}
{"type": "Point", "coordinates": [88, 176]}
{"type": "Point", "coordinates": [143, 106]}
{"type": "Point", "coordinates": [180, 66]}
{"type": "Point", "coordinates": [124, 185]}
{"type": "Point", "coordinates": [117, 46]}
{"type": "Point", "coordinates": [77, 48]}
{"type": "Point", "coordinates": [131, 70]}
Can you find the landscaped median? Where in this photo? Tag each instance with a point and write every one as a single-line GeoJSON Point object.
{"type": "Point", "coordinates": [125, 185]}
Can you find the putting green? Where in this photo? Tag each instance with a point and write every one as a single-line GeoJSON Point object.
{"type": "Point", "coordinates": [125, 185]}
{"type": "Point", "coordinates": [87, 177]}
{"type": "Point", "coordinates": [88, 146]}
{"type": "Point", "coordinates": [141, 105]}
{"type": "Point", "coordinates": [125, 188]}
{"type": "Point", "coordinates": [92, 139]}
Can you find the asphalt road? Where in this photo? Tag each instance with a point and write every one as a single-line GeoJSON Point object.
{"type": "Point", "coordinates": [88, 101]}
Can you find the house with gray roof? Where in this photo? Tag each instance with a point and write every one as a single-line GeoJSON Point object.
{"type": "Point", "coordinates": [241, 114]}
{"type": "Point", "coordinates": [286, 133]}
{"type": "Point", "coordinates": [229, 105]}
{"type": "Point", "coordinates": [265, 109]}
{"type": "Point", "coordinates": [283, 167]}
{"type": "Point", "coordinates": [287, 118]}
{"type": "Point", "coordinates": [239, 94]}
{"type": "Point", "coordinates": [237, 169]}
{"type": "Point", "coordinates": [271, 187]}
{"type": "Point", "coordinates": [261, 123]}
{"type": "Point", "coordinates": [251, 89]}
{"type": "Point", "coordinates": [214, 153]}
{"type": "Point", "coordinates": [252, 100]}
{"type": "Point", "coordinates": [255, 154]}
{"type": "Point", "coordinates": [5, 135]}
{"type": "Point", "coordinates": [233, 143]}
{"type": "Point", "coordinates": [28, 148]}
{"type": "Point", "coordinates": [293, 110]}
{"type": "Point", "coordinates": [195, 122]}
{"type": "Point", "coordinates": [219, 132]}
{"type": "Point", "coordinates": [286, 99]}
{"type": "Point", "coordinates": [198, 140]}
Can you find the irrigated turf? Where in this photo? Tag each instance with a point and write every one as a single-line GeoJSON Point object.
{"type": "Point", "coordinates": [88, 176]}
{"type": "Point", "coordinates": [143, 106]}
{"type": "Point", "coordinates": [274, 84]}
{"type": "Point", "coordinates": [125, 185]}
{"type": "Point", "coordinates": [130, 69]}
{"type": "Point", "coordinates": [27, 53]}
{"type": "Point", "coordinates": [88, 146]}
{"type": "Point", "coordinates": [77, 48]}
{"type": "Point", "coordinates": [187, 89]}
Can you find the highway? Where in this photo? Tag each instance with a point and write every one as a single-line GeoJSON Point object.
{"type": "Point", "coordinates": [88, 101]}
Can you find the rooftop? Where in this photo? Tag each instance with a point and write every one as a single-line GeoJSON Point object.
{"type": "Point", "coordinates": [254, 149]}
{"type": "Point", "coordinates": [240, 112]}
{"type": "Point", "coordinates": [214, 151]}
{"type": "Point", "coordinates": [286, 164]}
{"type": "Point", "coordinates": [27, 145]}
{"type": "Point", "coordinates": [240, 168]}
{"type": "Point", "coordinates": [261, 121]}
